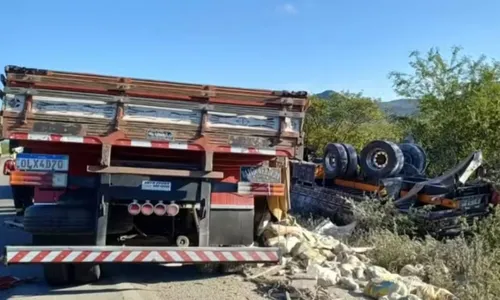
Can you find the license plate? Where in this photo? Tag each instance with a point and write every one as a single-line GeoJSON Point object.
{"type": "Point", "coordinates": [42, 162]}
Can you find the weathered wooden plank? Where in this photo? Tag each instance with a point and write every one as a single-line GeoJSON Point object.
{"type": "Point", "coordinates": [155, 172]}
{"type": "Point", "coordinates": [151, 114]}
{"type": "Point", "coordinates": [161, 92]}
{"type": "Point", "coordinates": [64, 107]}
{"type": "Point", "coordinates": [238, 121]}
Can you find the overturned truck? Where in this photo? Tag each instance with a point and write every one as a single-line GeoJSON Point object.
{"type": "Point", "coordinates": [330, 186]}
{"type": "Point", "coordinates": [124, 170]}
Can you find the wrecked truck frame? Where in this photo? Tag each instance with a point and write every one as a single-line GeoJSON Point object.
{"type": "Point", "coordinates": [450, 196]}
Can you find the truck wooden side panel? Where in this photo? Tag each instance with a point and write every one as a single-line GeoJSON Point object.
{"type": "Point", "coordinates": [113, 110]}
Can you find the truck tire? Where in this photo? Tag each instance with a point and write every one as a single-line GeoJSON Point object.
{"type": "Point", "coordinates": [335, 160]}
{"type": "Point", "coordinates": [86, 273]}
{"type": "Point", "coordinates": [208, 268]}
{"type": "Point", "coordinates": [66, 219]}
{"type": "Point", "coordinates": [381, 159]}
{"type": "Point", "coordinates": [55, 274]}
{"type": "Point", "coordinates": [415, 156]}
{"type": "Point", "coordinates": [352, 163]}
{"type": "Point", "coordinates": [64, 274]}
{"type": "Point", "coordinates": [58, 219]}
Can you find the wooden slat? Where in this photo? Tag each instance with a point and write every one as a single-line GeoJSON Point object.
{"type": "Point", "coordinates": [155, 172]}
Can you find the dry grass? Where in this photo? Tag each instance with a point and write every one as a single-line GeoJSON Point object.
{"type": "Point", "coordinates": [467, 266]}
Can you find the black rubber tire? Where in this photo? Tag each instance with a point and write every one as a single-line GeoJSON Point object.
{"type": "Point", "coordinates": [352, 163]}
{"type": "Point", "coordinates": [226, 268]}
{"type": "Point", "coordinates": [415, 156]}
{"type": "Point", "coordinates": [391, 153]}
{"type": "Point", "coordinates": [66, 219]}
{"type": "Point", "coordinates": [208, 268]}
{"type": "Point", "coordinates": [58, 219]}
{"type": "Point", "coordinates": [55, 274]}
{"type": "Point", "coordinates": [86, 273]}
{"type": "Point", "coordinates": [232, 268]}
{"type": "Point", "coordinates": [335, 153]}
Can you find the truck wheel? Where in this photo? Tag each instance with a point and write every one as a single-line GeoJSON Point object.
{"type": "Point", "coordinates": [381, 159]}
{"type": "Point", "coordinates": [226, 268]}
{"type": "Point", "coordinates": [232, 268]}
{"type": "Point", "coordinates": [352, 161]}
{"type": "Point", "coordinates": [55, 274]}
{"type": "Point", "coordinates": [58, 219]}
{"type": "Point", "coordinates": [335, 160]}
{"type": "Point", "coordinates": [86, 273]}
{"type": "Point", "coordinates": [209, 268]}
{"type": "Point", "coordinates": [415, 156]}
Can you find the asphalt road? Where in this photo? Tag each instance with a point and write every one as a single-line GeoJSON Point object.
{"type": "Point", "coordinates": [120, 282]}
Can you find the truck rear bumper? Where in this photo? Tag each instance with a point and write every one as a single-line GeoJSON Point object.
{"type": "Point", "coordinates": [163, 255]}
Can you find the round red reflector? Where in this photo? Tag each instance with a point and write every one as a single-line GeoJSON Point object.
{"type": "Point", "coordinates": [147, 209]}
{"type": "Point", "coordinates": [160, 209]}
{"type": "Point", "coordinates": [134, 209]}
{"type": "Point", "coordinates": [172, 209]}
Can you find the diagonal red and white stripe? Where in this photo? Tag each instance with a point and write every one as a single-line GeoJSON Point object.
{"type": "Point", "coordinates": [140, 256]}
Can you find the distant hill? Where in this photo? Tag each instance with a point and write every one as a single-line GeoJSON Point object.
{"type": "Point", "coordinates": [398, 107]}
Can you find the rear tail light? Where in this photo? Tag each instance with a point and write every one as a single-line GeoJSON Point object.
{"type": "Point", "coordinates": [173, 209]}
{"type": "Point", "coordinates": [134, 208]}
{"type": "Point", "coordinates": [147, 209]}
{"type": "Point", "coordinates": [42, 179]}
{"type": "Point", "coordinates": [160, 209]}
{"type": "Point", "coordinates": [10, 165]}
{"type": "Point", "coordinates": [261, 189]}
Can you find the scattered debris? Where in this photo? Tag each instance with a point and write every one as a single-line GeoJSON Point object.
{"type": "Point", "coordinates": [326, 227]}
{"type": "Point", "coordinates": [317, 262]}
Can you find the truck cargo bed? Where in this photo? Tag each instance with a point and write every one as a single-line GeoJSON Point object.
{"type": "Point", "coordinates": [75, 107]}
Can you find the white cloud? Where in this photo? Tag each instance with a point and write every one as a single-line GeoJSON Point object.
{"type": "Point", "coordinates": [289, 8]}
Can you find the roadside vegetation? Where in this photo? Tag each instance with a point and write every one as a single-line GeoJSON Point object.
{"type": "Point", "coordinates": [459, 112]}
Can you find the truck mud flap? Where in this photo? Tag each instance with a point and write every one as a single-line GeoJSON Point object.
{"type": "Point", "coordinates": [161, 255]}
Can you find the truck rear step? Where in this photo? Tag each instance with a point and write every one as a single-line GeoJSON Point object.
{"type": "Point", "coordinates": [114, 254]}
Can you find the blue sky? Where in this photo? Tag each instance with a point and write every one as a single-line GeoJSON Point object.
{"type": "Point", "coordinates": [297, 44]}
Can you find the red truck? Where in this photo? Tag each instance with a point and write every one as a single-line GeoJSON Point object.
{"type": "Point", "coordinates": [125, 170]}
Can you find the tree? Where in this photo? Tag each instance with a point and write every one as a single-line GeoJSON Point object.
{"type": "Point", "coordinates": [346, 118]}
{"type": "Point", "coordinates": [459, 106]}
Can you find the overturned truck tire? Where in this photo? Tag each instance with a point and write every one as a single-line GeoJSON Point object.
{"type": "Point", "coordinates": [415, 159]}
{"type": "Point", "coordinates": [381, 159]}
{"type": "Point", "coordinates": [335, 160]}
{"type": "Point", "coordinates": [352, 161]}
